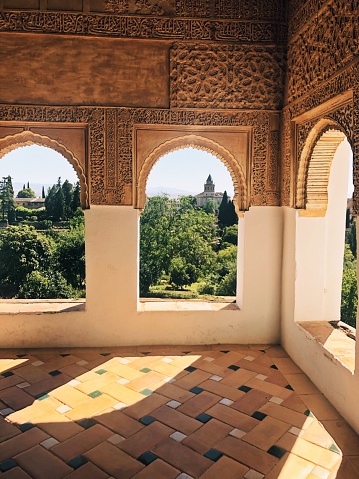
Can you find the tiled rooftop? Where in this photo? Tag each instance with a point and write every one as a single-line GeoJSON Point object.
{"type": "Point", "coordinates": [167, 413]}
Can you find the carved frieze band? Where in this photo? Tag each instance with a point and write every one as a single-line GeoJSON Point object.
{"type": "Point", "coordinates": [226, 76]}
{"type": "Point", "coordinates": [110, 132]}
{"type": "Point", "coordinates": [120, 26]}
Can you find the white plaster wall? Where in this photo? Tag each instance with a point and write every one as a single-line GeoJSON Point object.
{"type": "Point", "coordinates": [336, 382]}
{"type": "Point", "coordinates": [112, 316]}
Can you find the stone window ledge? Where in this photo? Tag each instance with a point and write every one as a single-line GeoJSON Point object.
{"type": "Point", "coordinates": [39, 306]}
{"type": "Point", "coordinates": [185, 305]}
{"type": "Point", "coordinates": [336, 339]}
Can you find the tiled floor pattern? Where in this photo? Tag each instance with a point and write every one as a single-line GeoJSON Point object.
{"type": "Point", "coordinates": [167, 413]}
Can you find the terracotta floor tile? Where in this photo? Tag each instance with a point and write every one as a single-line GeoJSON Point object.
{"type": "Point", "coordinates": [193, 379]}
{"type": "Point", "coordinates": [174, 392]}
{"type": "Point", "coordinates": [287, 366]}
{"type": "Point", "coordinates": [198, 404]}
{"type": "Point", "coordinates": [182, 457]}
{"type": "Point", "coordinates": [88, 376]}
{"type": "Point", "coordinates": [119, 422]}
{"type": "Point", "coordinates": [215, 369]}
{"type": "Point", "coordinates": [145, 381]}
{"type": "Point", "coordinates": [91, 408]}
{"type": "Point", "coordinates": [269, 388]}
{"type": "Point", "coordinates": [239, 378]}
{"type": "Point", "coordinates": [317, 434]}
{"type": "Point", "coordinates": [267, 433]}
{"type": "Point", "coordinates": [38, 408]}
{"type": "Point", "coordinates": [251, 401]}
{"type": "Point", "coordinates": [60, 362]}
{"type": "Point", "coordinates": [207, 436]}
{"type": "Point", "coordinates": [21, 443]}
{"type": "Point", "coordinates": [289, 416]}
{"type": "Point", "coordinates": [276, 352]}
{"type": "Point", "coordinates": [158, 470]}
{"type": "Point", "coordinates": [145, 439]}
{"type": "Point", "coordinates": [57, 425]}
{"type": "Point", "coordinates": [123, 393]}
{"type": "Point", "coordinates": [345, 471]}
{"type": "Point", "coordinates": [176, 420]}
{"type": "Point", "coordinates": [114, 461]}
{"type": "Point", "coordinates": [295, 403]}
{"type": "Point", "coordinates": [223, 390]}
{"type": "Point", "coordinates": [276, 377]}
{"type": "Point", "coordinates": [228, 359]}
{"type": "Point", "coordinates": [10, 381]}
{"type": "Point", "coordinates": [302, 384]}
{"type": "Point", "coordinates": [185, 361]}
{"type": "Point", "coordinates": [16, 398]}
{"type": "Point", "coordinates": [320, 407]}
{"type": "Point", "coordinates": [73, 370]}
{"type": "Point", "coordinates": [15, 473]}
{"type": "Point", "coordinates": [97, 384]}
{"type": "Point", "coordinates": [46, 385]}
{"type": "Point", "coordinates": [254, 366]}
{"type": "Point", "coordinates": [354, 461]}
{"type": "Point", "coordinates": [232, 417]}
{"type": "Point", "coordinates": [166, 369]}
{"type": "Point", "coordinates": [146, 406]}
{"type": "Point", "coordinates": [87, 471]}
{"type": "Point", "coordinates": [247, 454]}
{"type": "Point", "coordinates": [7, 430]}
{"type": "Point", "coordinates": [82, 442]}
{"type": "Point", "coordinates": [344, 436]}
{"type": "Point", "coordinates": [42, 464]}
{"type": "Point", "coordinates": [145, 362]}
{"type": "Point", "coordinates": [291, 467]}
{"type": "Point", "coordinates": [32, 374]}
{"type": "Point", "coordinates": [309, 451]}
{"type": "Point", "coordinates": [70, 395]}
{"type": "Point", "coordinates": [225, 468]}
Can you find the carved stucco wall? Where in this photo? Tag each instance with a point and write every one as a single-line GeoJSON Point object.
{"type": "Point", "coordinates": [229, 72]}
{"type": "Point", "coordinates": [322, 84]}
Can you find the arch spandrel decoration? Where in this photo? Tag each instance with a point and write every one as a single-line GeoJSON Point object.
{"type": "Point", "coordinates": [240, 200]}
{"type": "Point", "coordinates": [26, 138]}
{"type": "Point", "coordinates": [314, 166]}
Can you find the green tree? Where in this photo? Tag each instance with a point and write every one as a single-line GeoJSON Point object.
{"type": "Point", "coordinates": [68, 192]}
{"type": "Point", "coordinates": [351, 238]}
{"type": "Point", "coordinates": [211, 207]}
{"type": "Point", "coordinates": [26, 193]}
{"type": "Point", "coordinates": [7, 199]}
{"type": "Point", "coordinates": [349, 299]}
{"type": "Point", "coordinates": [23, 250]}
{"type": "Point", "coordinates": [76, 198]}
{"type": "Point", "coordinates": [182, 273]}
{"type": "Point", "coordinates": [70, 255]}
{"type": "Point", "coordinates": [43, 192]}
{"type": "Point", "coordinates": [45, 285]}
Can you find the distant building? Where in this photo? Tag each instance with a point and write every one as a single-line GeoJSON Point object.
{"type": "Point", "coordinates": [33, 203]}
{"type": "Point", "coordinates": [209, 193]}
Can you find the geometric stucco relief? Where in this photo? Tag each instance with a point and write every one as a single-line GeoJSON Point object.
{"type": "Point", "coordinates": [226, 76]}
{"type": "Point", "coordinates": [111, 143]}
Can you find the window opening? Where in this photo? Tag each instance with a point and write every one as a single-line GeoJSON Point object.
{"type": "Point", "coordinates": [189, 229]}
{"type": "Point", "coordinates": [42, 241]}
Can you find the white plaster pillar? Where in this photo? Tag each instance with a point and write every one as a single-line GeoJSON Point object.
{"type": "Point", "coordinates": [111, 260]}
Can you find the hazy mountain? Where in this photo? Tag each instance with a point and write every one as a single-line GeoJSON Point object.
{"type": "Point", "coordinates": [171, 192]}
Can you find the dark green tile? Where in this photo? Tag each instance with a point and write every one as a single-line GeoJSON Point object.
{"type": "Point", "coordinates": [95, 394]}
{"type": "Point", "coordinates": [213, 454]}
{"type": "Point", "coordinates": [101, 371]}
{"type": "Point", "coordinates": [145, 370]}
{"type": "Point", "coordinates": [276, 451]}
{"type": "Point", "coordinates": [146, 392]}
{"type": "Point", "coordinates": [77, 462]}
{"type": "Point", "coordinates": [147, 457]}
{"type": "Point", "coordinates": [244, 389]}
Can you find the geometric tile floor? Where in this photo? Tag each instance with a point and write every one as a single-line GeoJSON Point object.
{"type": "Point", "coordinates": [167, 413]}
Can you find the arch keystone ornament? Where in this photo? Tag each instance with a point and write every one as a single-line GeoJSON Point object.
{"type": "Point", "coordinates": [314, 167]}
{"type": "Point", "coordinates": [240, 200]}
{"type": "Point", "coordinates": [27, 138]}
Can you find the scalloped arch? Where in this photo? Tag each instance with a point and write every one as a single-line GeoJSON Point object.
{"type": "Point", "coordinates": [240, 199]}
{"type": "Point", "coordinates": [314, 165]}
{"type": "Point", "coordinates": [26, 138]}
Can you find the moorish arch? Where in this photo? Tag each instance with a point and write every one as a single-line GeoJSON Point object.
{"type": "Point", "coordinates": [241, 197]}
{"type": "Point", "coordinates": [314, 166]}
{"type": "Point", "coordinates": [27, 138]}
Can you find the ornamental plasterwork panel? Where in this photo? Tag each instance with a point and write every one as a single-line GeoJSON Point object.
{"type": "Point", "coordinates": [143, 26]}
{"type": "Point", "coordinates": [111, 143]}
{"type": "Point", "coordinates": [326, 44]}
{"type": "Point", "coordinates": [226, 76]}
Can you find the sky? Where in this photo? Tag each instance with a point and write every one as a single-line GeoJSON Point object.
{"type": "Point", "coordinates": [186, 169]}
